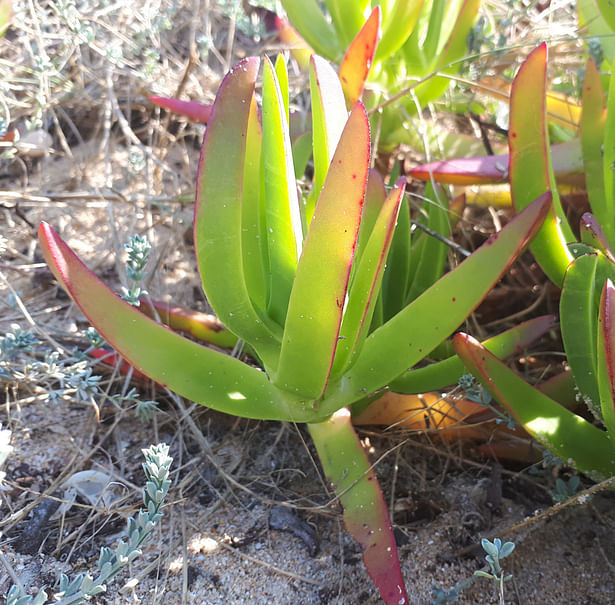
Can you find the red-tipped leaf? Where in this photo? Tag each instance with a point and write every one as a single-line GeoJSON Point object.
{"type": "Point", "coordinates": [197, 112]}
{"type": "Point", "coordinates": [365, 511]}
{"type": "Point", "coordinates": [567, 435]}
{"type": "Point", "coordinates": [606, 355]}
{"type": "Point", "coordinates": [358, 59]}
{"type": "Point", "coordinates": [218, 230]}
{"type": "Point", "coordinates": [485, 170]}
{"type": "Point", "coordinates": [530, 166]}
{"type": "Point", "coordinates": [191, 370]}
{"type": "Point", "coordinates": [319, 291]}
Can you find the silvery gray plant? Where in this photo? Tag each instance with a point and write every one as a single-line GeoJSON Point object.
{"type": "Point", "coordinates": [111, 562]}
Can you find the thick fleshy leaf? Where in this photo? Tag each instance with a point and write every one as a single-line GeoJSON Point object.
{"type": "Point", "coordinates": [593, 22]}
{"type": "Point", "coordinates": [432, 317]}
{"type": "Point", "coordinates": [442, 418]}
{"type": "Point", "coordinates": [302, 152]}
{"type": "Point", "coordinates": [6, 14]}
{"type": "Point", "coordinates": [561, 388]}
{"type": "Point", "coordinates": [494, 196]}
{"type": "Point", "coordinates": [567, 161]}
{"type": "Point", "coordinates": [375, 195]}
{"type": "Point", "coordinates": [529, 166]}
{"type": "Point", "coordinates": [416, 412]}
{"type": "Point", "coordinates": [455, 49]}
{"type": "Point", "coordinates": [311, 23]}
{"type": "Point", "coordinates": [604, 208]}
{"type": "Point", "coordinates": [562, 110]}
{"type": "Point", "coordinates": [218, 213]}
{"type": "Point", "coordinates": [579, 306]}
{"type": "Point", "coordinates": [398, 22]}
{"type": "Point", "coordinates": [396, 279]}
{"type": "Point", "coordinates": [593, 235]}
{"type": "Point", "coordinates": [290, 38]}
{"type": "Point", "coordinates": [203, 326]}
{"type": "Point", "coordinates": [197, 112]}
{"type": "Point", "coordinates": [565, 434]}
{"type": "Point", "coordinates": [281, 72]}
{"type": "Point", "coordinates": [203, 375]}
{"type": "Point", "coordinates": [608, 12]}
{"type": "Point", "coordinates": [456, 45]}
{"type": "Point", "coordinates": [367, 280]}
{"type": "Point", "coordinates": [329, 116]}
{"type": "Point", "coordinates": [357, 61]}
{"type": "Point", "coordinates": [448, 371]}
{"type": "Point", "coordinates": [111, 359]}
{"type": "Point", "coordinates": [282, 216]}
{"type": "Point", "coordinates": [319, 291]}
{"type": "Point", "coordinates": [606, 355]}
{"type": "Point", "coordinates": [348, 17]}
{"type": "Point", "coordinates": [456, 207]}
{"type": "Point", "coordinates": [365, 511]}
{"type": "Point", "coordinates": [254, 237]}
{"type": "Point", "coordinates": [593, 123]}
{"type": "Point", "coordinates": [464, 171]}
{"type": "Point", "coordinates": [428, 256]}
{"type": "Point", "coordinates": [434, 34]}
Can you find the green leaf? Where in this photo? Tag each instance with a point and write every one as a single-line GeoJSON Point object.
{"type": "Point", "coordinates": [202, 326]}
{"type": "Point", "coordinates": [366, 281]}
{"type": "Point", "coordinates": [329, 116]}
{"type": "Point", "coordinates": [310, 22]}
{"type": "Point", "coordinates": [593, 122]}
{"type": "Point", "coordinates": [429, 254]}
{"type": "Point", "coordinates": [434, 28]}
{"type": "Point", "coordinates": [604, 209]}
{"type": "Point", "coordinates": [608, 12]}
{"type": "Point", "coordinates": [348, 17]}
{"type": "Point", "coordinates": [254, 236]}
{"type": "Point", "coordinates": [593, 235]}
{"type": "Point", "coordinates": [319, 292]}
{"type": "Point", "coordinates": [579, 305]}
{"type": "Point", "coordinates": [218, 213]}
{"type": "Point", "coordinates": [456, 45]}
{"type": "Point", "coordinates": [530, 166]}
{"type": "Point", "coordinates": [396, 278]}
{"type": "Point", "coordinates": [592, 21]}
{"type": "Point", "coordinates": [281, 73]}
{"type": "Point", "coordinates": [565, 434]}
{"type": "Point", "coordinates": [444, 373]}
{"type": "Point", "coordinates": [418, 328]}
{"type": "Point", "coordinates": [606, 356]}
{"type": "Point", "coordinates": [282, 214]}
{"type": "Point", "coordinates": [302, 152]}
{"type": "Point", "coordinates": [366, 515]}
{"type": "Point", "coordinates": [5, 16]}
{"type": "Point", "coordinates": [397, 24]}
{"type": "Point", "coordinates": [375, 195]}
{"type": "Point", "coordinates": [191, 370]}
{"type": "Point", "coordinates": [447, 61]}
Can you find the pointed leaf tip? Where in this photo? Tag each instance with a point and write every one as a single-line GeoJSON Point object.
{"type": "Point", "coordinates": [197, 112]}
{"type": "Point", "coordinates": [317, 299]}
{"type": "Point", "coordinates": [357, 62]}
{"type": "Point", "coordinates": [195, 372]}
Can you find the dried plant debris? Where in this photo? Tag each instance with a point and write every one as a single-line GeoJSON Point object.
{"type": "Point", "coordinates": [284, 518]}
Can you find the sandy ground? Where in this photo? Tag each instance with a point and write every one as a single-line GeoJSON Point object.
{"type": "Point", "coordinates": [216, 543]}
